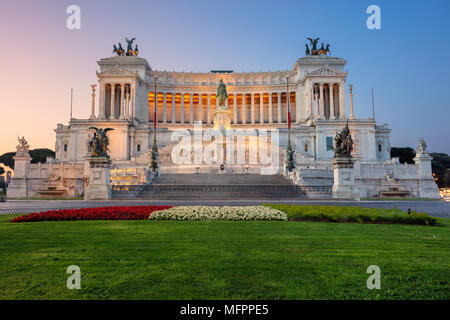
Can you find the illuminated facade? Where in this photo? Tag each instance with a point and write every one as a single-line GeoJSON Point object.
{"type": "Point", "coordinates": [257, 102]}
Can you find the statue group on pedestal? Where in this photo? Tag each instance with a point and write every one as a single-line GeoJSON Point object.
{"type": "Point", "coordinates": [323, 51]}
{"type": "Point", "coordinates": [23, 148]}
{"type": "Point", "coordinates": [98, 145]}
{"type": "Point", "coordinates": [343, 143]}
{"type": "Point", "coordinates": [222, 94]}
{"type": "Point", "coordinates": [130, 52]}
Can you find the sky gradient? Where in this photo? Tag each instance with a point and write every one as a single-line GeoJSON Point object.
{"type": "Point", "coordinates": [406, 62]}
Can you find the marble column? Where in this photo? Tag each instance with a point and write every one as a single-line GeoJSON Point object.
{"type": "Point", "coordinates": [235, 112]}
{"type": "Point", "coordinates": [342, 110]}
{"type": "Point", "coordinates": [112, 107]}
{"type": "Point", "coordinates": [322, 102]}
{"type": "Point", "coordinates": [182, 108]}
{"type": "Point", "coordinates": [316, 97]}
{"type": "Point", "coordinates": [279, 107]}
{"type": "Point", "coordinates": [350, 86]}
{"type": "Point", "coordinates": [208, 110]}
{"type": "Point", "coordinates": [173, 107]}
{"type": "Point", "coordinates": [270, 108]}
{"type": "Point", "coordinates": [127, 104]}
{"type": "Point", "coordinates": [93, 102]}
{"type": "Point", "coordinates": [331, 94]}
{"type": "Point", "coordinates": [199, 109]}
{"type": "Point", "coordinates": [244, 109]}
{"type": "Point", "coordinates": [299, 113]}
{"type": "Point", "coordinates": [102, 99]}
{"type": "Point", "coordinates": [252, 110]}
{"type": "Point", "coordinates": [312, 100]}
{"type": "Point", "coordinates": [261, 108]}
{"type": "Point", "coordinates": [164, 107]}
{"type": "Point", "coordinates": [122, 101]}
{"type": "Point", "coordinates": [133, 101]}
{"type": "Point", "coordinates": [191, 108]}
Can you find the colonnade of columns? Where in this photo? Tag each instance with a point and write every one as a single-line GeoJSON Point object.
{"type": "Point", "coordinates": [328, 100]}
{"type": "Point", "coordinates": [246, 108]}
{"type": "Point", "coordinates": [117, 100]}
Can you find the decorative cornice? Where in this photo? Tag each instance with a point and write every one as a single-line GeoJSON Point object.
{"type": "Point", "coordinates": [123, 60]}
{"type": "Point", "coordinates": [321, 60]}
{"type": "Point", "coordinates": [327, 72]}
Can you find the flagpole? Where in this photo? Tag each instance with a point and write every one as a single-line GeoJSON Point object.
{"type": "Point", "coordinates": [289, 152]}
{"type": "Point", "coordinates": [154, 162]}
{"type": "Point", "coordinates": [288, 103]}
{"type": "Point", "coordinates": [373, 106]}
{"type": "Point", "coordinates": [156, 101]}
{"type": "Point", "coordinates": [71, 102]}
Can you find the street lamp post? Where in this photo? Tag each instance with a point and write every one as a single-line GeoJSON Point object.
{"type": "Point", "coordinates": [155, 156]}
{"type": "Point", "coordinates": [290, 163]}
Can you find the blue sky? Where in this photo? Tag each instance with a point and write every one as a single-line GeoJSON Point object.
{"type": "Point", "coordinates": [406, 62]}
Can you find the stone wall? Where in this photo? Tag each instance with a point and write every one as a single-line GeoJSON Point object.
{"type": "Point", "coordinates": [48, 180]}
{"type": "Point", "coordinates": [409, 180]}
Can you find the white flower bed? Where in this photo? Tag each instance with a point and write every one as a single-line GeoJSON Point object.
{"type": "Point", "coordinates": [219, 213]}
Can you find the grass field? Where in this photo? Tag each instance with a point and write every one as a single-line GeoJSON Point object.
{"type": "Point", "coordinates": [222, 260]}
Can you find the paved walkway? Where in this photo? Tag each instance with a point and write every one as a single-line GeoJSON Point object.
{"type": "Point", "coordinates": [434, 208]}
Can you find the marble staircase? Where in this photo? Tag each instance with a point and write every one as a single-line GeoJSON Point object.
{"type": "Point", "coordinates": [214, 186]}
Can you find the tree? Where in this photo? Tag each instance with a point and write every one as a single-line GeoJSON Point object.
{"type": "Point", "coordinates": [406, 154]}
{"type": "Point", "coordinates": [441, 169]}
{"type": "Point", "coordinates": [7, 159]}
{"type": "Point", "coordinates": [40, 155]}
{"type": "Point", "coordinates": [37, 155]}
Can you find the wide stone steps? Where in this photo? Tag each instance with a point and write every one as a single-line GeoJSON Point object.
{"type": "Point", "coordinates": [213, 186]}
{"type": "Point", "coordinates": [221, 179]}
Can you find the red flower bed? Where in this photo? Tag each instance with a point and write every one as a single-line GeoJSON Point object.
{"type": "Point", "coordinates": [104, 213]}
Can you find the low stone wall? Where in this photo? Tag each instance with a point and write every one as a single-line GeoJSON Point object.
{"type": "Point", "coordinates": [49, 180]}
{"type": "Point", "coordinates": [409, 180]}
{"type": "Point", "coordinates": [316, 183]}
{"type": "Point", "coordinates": [373, 179]}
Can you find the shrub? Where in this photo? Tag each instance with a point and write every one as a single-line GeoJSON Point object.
{"type": "Point", "coordinates": [353, 214]}
{"type": "Point", "coordinates": [219, 213]}
{"type": "Point", "coordinates": [105, 213]}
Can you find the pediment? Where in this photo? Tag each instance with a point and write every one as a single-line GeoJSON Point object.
{"type": "Point", "coordinates": [326, 71]}
{"type": "Point", "coordinates": [117, 72]}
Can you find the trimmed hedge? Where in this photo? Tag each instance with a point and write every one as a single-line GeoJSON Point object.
{"type": "Point", "coordinates": [354, 214]}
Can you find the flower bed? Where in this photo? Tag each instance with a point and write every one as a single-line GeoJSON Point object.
{"type": "Point", "coordinates": [104, 213]}
{"type": "Point", "coordinates": [219, 213]}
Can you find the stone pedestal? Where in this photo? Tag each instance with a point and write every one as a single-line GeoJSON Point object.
{"type": "Point", "coordinates": [18, 186]}
{"type": "Point", "coordinates": [222, 120]}
{"type": "Point", "coordinates": [99, 187]}
{"type": "Point", "coordinates": [344, 179]}
{"type": "Point", "coordinates": [427, 187]}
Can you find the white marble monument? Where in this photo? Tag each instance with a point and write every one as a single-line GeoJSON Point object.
{"type": "Point", "coordinates": [256, 101]}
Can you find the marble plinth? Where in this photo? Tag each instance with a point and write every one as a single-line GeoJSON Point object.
{"type": "Point", "coordinates": [344, 179]}
{"type": "Point", "coordinates": [99, 187]}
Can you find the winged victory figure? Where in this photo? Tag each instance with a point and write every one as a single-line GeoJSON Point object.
{"type": "Point", "coordinates": [98, 145]}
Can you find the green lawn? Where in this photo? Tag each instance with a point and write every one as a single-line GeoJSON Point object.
{"type": "Point", "coordinates": [222, 260]}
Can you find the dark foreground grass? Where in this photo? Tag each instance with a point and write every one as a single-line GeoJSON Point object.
{"type": "Point", "coordinates": [222, 260]}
